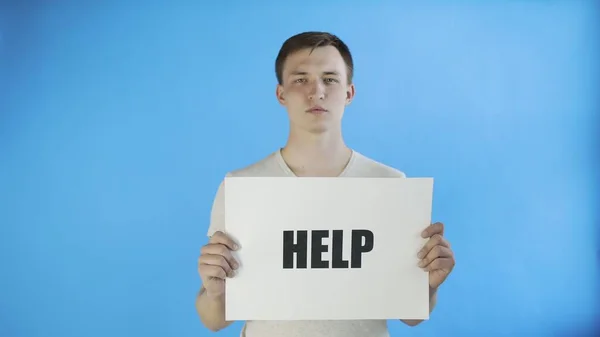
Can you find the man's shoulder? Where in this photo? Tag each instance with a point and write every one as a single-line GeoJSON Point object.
{"type": "Point", "coordinates": [267, 166]}
{"type": "Point", "coordinates": [365, 166]}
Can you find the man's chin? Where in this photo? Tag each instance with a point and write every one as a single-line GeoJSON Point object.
{"type": "Point", "coordinates": [318, 128]}
{"type": "Point", "coordinates": [315, 126]}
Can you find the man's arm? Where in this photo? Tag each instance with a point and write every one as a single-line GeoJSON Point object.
{"type": "Point", "coordinates": [211, 311]}
{"type": "Point", "coordinates": [432, 302]}
{"type": "Point", "coordinates": [437, 258]}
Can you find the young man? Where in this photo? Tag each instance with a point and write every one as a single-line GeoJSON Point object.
{"type": "Point", "coordinates": [314, 73]}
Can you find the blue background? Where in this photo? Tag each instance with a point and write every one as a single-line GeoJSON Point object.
{"type": "Point", "coordinates": [118, 121]}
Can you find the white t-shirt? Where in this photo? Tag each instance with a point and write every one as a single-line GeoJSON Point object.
{"type": "Point", "coordinates": [274, 166]}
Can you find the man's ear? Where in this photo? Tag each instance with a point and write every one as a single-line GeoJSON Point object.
{"type": "Point", "coordinates": [350, 94]}
{"type": "Point", "coordinates": [279, 92]}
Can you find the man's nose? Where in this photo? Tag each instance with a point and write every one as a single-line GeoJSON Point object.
{"type": "Point", "coordinates": [317, 91]}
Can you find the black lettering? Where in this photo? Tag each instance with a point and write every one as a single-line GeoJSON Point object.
{"type": "Point", "coordinates": [337, 260]}
{"type": "Point", "coordinates": [357, 245]}
{"type": "Point", "coordinates": [300, 248]}
{"type": "Point", "coordinates": [317, 249]}
{"type": "Point", "coordinates": [361, 242]}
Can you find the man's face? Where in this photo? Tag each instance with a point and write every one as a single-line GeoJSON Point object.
{"type": "Point", "coordinates": [315, 89]}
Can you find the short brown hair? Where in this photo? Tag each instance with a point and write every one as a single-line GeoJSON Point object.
{"type": "Point", "coordinates": [312, 40]}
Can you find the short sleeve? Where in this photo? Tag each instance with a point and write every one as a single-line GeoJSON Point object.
{"type": "Point", "coordinates": [217, 213]}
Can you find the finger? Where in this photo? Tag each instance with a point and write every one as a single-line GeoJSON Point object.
{"type": "Point", "coordinates": [440, 263]}
{"type": "Point", "coordinates": [436, 228]}
{"type": "Point", "coordinates": [435, 240]}
{"type": "Point", "coordinates": [222, 238]}
{"type": "Point", "coordinates": [436, 252]}
{"type": "Point", "coordinates": [218, 249]}
{"type": "Point", "coordinates": [216, 260]}
{"type": "Point", "coordinates": [208, 271]}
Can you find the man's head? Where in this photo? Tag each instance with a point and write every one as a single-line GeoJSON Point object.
{"type": "Point", "coordinates": [314, 71]}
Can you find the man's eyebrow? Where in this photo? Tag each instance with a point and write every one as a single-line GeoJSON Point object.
{"type": "Point", "coordinates": [298, 72]}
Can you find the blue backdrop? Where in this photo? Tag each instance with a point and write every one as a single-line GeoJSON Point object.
{"type": "Point", "coordinates": [118, 121]}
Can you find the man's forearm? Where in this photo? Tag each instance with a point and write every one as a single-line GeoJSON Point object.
{"type": "Point", "coordinates": [211, 311]}
{"type": "Point", "coordinates": [432, 303]}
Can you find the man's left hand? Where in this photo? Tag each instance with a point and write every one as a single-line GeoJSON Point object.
{"type": "Point", "coordinates": [436, 255]}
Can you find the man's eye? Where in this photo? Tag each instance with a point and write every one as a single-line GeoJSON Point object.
{"type": "Point", "coordinates": [331, 80]}
{"type": "Point", "coordinates": [299, 80]}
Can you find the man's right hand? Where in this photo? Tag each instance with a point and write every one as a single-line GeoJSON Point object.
{"type": "Point", "coordinates": [217, 263]}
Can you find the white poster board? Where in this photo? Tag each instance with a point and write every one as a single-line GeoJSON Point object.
{"type": "Point", "coordinates": [360, 236]}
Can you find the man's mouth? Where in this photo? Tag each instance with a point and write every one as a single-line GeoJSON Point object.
{"type": "Point", "coordinates": [316, 110]}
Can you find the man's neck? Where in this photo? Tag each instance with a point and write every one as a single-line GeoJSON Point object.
{"type": "Point", "coordinates": [324, 154]}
